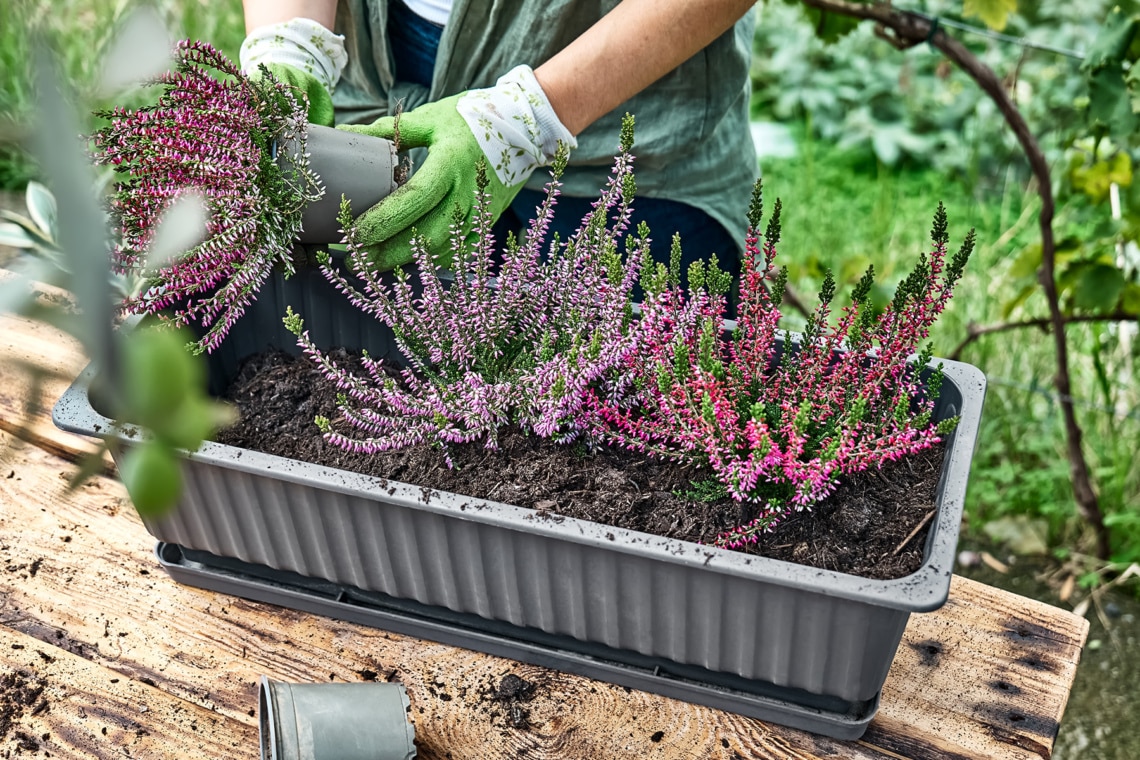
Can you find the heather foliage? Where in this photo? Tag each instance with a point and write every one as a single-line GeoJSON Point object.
{"type": "Point", "coordinates": [216, 133]}
{"type": "Point", "coordinates": [779, 427]}
{"type": "Point", "coordinates": [487, 350]}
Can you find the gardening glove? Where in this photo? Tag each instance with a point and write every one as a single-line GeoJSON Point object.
{"type": "Point", "coordinates": [302, 54]}
{"type": "Point", "coordinates": [511, 127]}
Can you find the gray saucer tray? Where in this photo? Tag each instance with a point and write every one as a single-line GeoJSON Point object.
{"type": "Point", "coordinates": [828, 716]}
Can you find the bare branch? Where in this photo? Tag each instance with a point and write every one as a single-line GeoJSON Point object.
{"type": "Point", "coordinates": [975, 331]}
{"type": "Point", "coordinates": [904, 30]}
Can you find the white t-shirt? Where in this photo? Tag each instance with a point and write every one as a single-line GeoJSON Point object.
{"type": "Point", "coordinates": [435, 11]}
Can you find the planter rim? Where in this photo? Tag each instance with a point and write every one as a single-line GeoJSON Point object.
{"type": "Point", "coordinates": [924, 590]}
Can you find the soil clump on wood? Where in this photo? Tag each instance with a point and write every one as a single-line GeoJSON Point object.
{"type": "Point", "coordinates": [20, 692]}
{"type": "Point", "coordinates": [873, 526]}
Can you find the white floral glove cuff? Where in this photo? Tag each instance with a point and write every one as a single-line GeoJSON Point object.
{"type": "Point", "coordinates": [301, 43]}
{"type": "Point", "coordinates": [514, 124]}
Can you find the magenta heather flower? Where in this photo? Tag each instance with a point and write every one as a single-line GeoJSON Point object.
{"type": "Point", "coordinates": [488, 350]}
{"type": "Point", "coordinates": [217, 133]}
{"type": "Point", "coordinates": [779, 431]}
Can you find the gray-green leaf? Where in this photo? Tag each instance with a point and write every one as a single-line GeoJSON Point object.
{"type": "Point", "coordinates": [42, 208]}
{"type": "Point", "coordinates": [15, 236]}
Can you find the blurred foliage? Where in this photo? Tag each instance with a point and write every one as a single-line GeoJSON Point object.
{"type": "Point", "coordinates": [915, 107]}
{"type": "Point", "coordinates": [79, 33]}
{"type": "Point", "coordinates": [881, 220]}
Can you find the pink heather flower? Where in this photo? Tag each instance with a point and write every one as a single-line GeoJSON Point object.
{"type": "Point", "coordinates": [214, 132]}
{"type": "Point", "coordinates": [779, 431]}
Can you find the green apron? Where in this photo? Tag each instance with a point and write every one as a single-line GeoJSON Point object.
{"type": "Point", "coordinates": [692, 143]}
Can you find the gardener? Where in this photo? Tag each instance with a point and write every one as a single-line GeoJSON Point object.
{"type": "Point", "coordinates": [680, 66]}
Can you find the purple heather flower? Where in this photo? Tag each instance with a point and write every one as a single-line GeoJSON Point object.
{"type": "Point", "coordinates": [489, 350]}
{"type": "Point", "coordinates": [212, 132]}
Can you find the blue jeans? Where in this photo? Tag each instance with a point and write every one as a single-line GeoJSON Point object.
{"type": "Point", "coordinates": [413, 41]}
{"type": "Point", "coordinates": [701, 235]}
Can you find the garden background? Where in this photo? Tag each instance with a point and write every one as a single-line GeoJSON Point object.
{"type": "Point", "coordinates": [861, 141]}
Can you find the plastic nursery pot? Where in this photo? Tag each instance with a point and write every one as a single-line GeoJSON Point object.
{"type": "Point", "coordinates": [334, 721]}
{"type": "Point", "coordinates": [359, 167]}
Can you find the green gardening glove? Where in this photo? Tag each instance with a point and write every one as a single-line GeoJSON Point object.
{"type": "Point", "coordinates": [301, 54]}
{"type": "Point", "coordinates": [510, 127]}
{"type": "Point", "coordinates": [320, 102]}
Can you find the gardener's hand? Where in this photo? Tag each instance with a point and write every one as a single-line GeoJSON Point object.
{"type": "Point", "coordinates": [302, 54]}
{"type": "Point", "coordinates": [511, 127]}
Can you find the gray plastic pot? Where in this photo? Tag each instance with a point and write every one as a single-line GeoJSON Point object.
{"type": "Point", "coordinates": [796, 627]}
{"type": "Point", "coordinates": [360, 167]}
{"type": "Point", "coordinates": [334, 721]}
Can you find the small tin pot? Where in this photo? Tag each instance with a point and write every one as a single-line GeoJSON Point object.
{"type": "Point", "coordinates": [334, 721]}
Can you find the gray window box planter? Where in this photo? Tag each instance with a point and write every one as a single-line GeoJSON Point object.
{"type": "Point", "coordinates": [821, 640]}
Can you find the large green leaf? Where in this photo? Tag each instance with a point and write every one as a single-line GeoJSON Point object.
{"type": "Point", "coordinates": [42, 208]}
{"type": "Point", "coordinates": [1110, 103]}
{"type": "Point", "coordinates": [993, 13]}
{"type": "Point", "coordinates": [15, 236]}
{"type": "Point", "coordinates": [1098, 288]}
{"type": "Point", "coordinates": [1111, 46]}
{"type": "Point", "coordinates": [1095, 180]}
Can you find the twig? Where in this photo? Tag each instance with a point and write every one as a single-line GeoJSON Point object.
{"type": "Point", "coordinates": [404, 167]}
{"type": "Point", "coordinates": [913, 533]}
{"type": "Point", "coordinates": [974, 331]}
{"type": "Point", "coordinates": [905, 30]}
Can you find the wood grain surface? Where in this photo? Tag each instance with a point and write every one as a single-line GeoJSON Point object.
{"type": "Point", "coordinates": [35, 356]}
{"type": "Point", "coordinates": [86, 610]}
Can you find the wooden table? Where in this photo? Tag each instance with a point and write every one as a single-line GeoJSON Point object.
{"type": "Point", "coordinates": [117, 660]}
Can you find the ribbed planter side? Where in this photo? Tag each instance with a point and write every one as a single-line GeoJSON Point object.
{"type": "Point", "coordinates": [602, 594]}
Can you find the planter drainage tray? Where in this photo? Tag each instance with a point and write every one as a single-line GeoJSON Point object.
{"type": "Point", "coordinates": [829, 716]}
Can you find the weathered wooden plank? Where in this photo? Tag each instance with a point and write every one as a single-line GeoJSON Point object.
{"type": "Point", "coordinates": [1000, 663]}
{"type": "Point", "coordinates": [57, 703]}
{"type": "Point", "coordinates": [78, 573]}
{"type": "Point", "coordinates": [25, 344]}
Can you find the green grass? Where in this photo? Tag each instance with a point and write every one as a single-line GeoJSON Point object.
{"type": "Point", "coordinates": [77, 33]}
{"type": "Point", "coordinates": [845, 212]}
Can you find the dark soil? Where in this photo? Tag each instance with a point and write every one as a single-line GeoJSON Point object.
{"type": "Point", "coordinates": [512, 692]}
{"type": "Point", "coordinates": [20, 692]}
{"type": "Point", "coordinates": [867, 528]}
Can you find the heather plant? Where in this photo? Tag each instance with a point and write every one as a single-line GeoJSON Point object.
{"type": "Point", "coordinates": [489, 349]}
{"type": "Point", "coordinates": [217, 134]}
{"type": "Point", "coordinates": [778, 428]}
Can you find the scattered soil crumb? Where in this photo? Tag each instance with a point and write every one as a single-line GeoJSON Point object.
{"type": "Point", "coordinates": [20, 692]}
{"type": "Point", "coordinates": [511, 692]}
